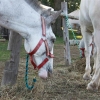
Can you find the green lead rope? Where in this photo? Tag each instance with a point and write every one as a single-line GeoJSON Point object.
{"type": "Point", "coordinates": [69, 26]}
{"type": "Point", "coordinates": [26, 75]}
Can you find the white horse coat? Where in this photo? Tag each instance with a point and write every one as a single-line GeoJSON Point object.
{"type": "Point", "coordinates": [24, 17]}
{"type": "Point", "coordinates": [90, 26]}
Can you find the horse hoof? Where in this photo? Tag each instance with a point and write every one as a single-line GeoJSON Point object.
{"type": "Point", "coordinates": [89, 87]}
{"type": "Point", "coordinates": [86, 77]}
{"type": "Point", "coordinates": [92, 87]}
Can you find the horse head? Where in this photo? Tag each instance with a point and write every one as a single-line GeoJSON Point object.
{"type": "Point", "coordinates": [43, 57]}
{"type": "Point", "coordinates": [32, 21]}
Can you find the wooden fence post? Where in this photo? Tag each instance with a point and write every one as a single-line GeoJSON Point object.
{"type": "Point", "coordinates": [11, 66]}
{"type": "Point", "coordinates": [65, 35]}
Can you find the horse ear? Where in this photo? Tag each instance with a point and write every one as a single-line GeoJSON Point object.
{"type": "Point", "coordinates": [54, 15]}
{"type": "Point", "coordinates": [46, 13]}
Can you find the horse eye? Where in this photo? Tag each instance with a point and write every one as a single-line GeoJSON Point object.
{"type": "Point", "coordinates": [53, 40]}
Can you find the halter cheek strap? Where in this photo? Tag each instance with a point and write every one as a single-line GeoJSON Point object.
{"type": "Point", "coordinates": [48, 54]}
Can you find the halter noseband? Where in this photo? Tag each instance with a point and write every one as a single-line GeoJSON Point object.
{"type": "Point", "coordinates": [49, 55]}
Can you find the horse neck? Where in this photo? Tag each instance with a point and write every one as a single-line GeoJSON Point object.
{"type": "Point", "coordinates": [19, 18]}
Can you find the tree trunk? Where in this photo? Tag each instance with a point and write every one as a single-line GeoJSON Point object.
{"type": "Point", "coordinates": [11, 67]}
{"type": "Point", "coordinates": [57, 26]}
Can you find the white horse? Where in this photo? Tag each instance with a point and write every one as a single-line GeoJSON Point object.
{"type": "Point", "coordinates": [82, 48]}
{"type": "Point", "coordinates": [90, 26]}
{"type": "Point", "coordinates": [33, 22]}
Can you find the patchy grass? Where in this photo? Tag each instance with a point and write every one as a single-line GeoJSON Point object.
{"type": "Point", "coordinates": [4, 53]}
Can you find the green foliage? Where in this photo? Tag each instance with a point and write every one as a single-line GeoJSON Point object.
{"type": "Point", "coordinates": [45, 2]}
{"type": "Point", "coordinates": [72, 4]}
{"type": "Point", "coordinates": [48, 2]}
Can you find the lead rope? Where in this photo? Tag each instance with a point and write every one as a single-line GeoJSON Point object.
{"type": "Point", "coordinates": [26, 76]}
{"type": "Point", "coordinates": [69, 26]}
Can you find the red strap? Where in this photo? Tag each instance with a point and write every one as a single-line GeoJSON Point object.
{"type": "Point", "coordinates": [43, 63]}
{"type": "Point", "coordinates": [32, 62]}
{"type": "Point", "coordinates": [47, 49]}
{"type": "Point", "coordinates": [39, 66]}
{"type": "Point", "coordinates": [37, 47]}
{"type": "Point", "coordinates": [51, 55]}
{"type": "Point", "coordinates": [34, 51]}
{"type": "Point", "coordinates": [91, 44]}
{"type": "Point", "coordinates": [43, 27]}
{"type": "Point", "coordinates": [83, 51]}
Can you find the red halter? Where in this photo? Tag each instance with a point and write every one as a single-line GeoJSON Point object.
{"type": "Point", "coordinates": [38, 46]}
{"type": "Point", "coordinates": [83, 49]}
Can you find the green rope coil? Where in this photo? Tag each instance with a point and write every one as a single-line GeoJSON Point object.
{"type": "Point", "coordinates": [69, 26]}
{"type": "Point", "coordinates": [26, 75]}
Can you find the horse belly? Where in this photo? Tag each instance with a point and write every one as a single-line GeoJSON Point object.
{"type": "Point", "coordinates": [85, 14]}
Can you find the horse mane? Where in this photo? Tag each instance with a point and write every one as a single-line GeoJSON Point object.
{"type": "Point", "coordinates": [43, 10]}
{"type": "Point", "coordinates": [38, 7]}
{"type": "Point", "coordinates": [35, 4]}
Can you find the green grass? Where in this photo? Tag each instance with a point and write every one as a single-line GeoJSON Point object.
{"type": "Point", "coordinates": [4, 53]}
{"type": "Point", "coordinates": [59, 40]}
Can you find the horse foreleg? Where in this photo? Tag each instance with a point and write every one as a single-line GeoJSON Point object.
{"type": "Point", "coordinates": [87, 37]}
{"type": "Point", "coordinates": [95, 82]}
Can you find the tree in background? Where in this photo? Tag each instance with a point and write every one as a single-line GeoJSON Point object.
{"type": "Point", "coordinates": [56, 4]}
{"type": "Point", "coordinates": [73, 5]}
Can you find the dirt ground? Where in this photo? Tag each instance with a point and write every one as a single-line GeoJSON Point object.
{"type": "Point", "coordinates": [66, 82]}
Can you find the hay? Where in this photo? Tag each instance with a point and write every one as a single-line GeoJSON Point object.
{"type": "Point", "coordinates": [66, 82]}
